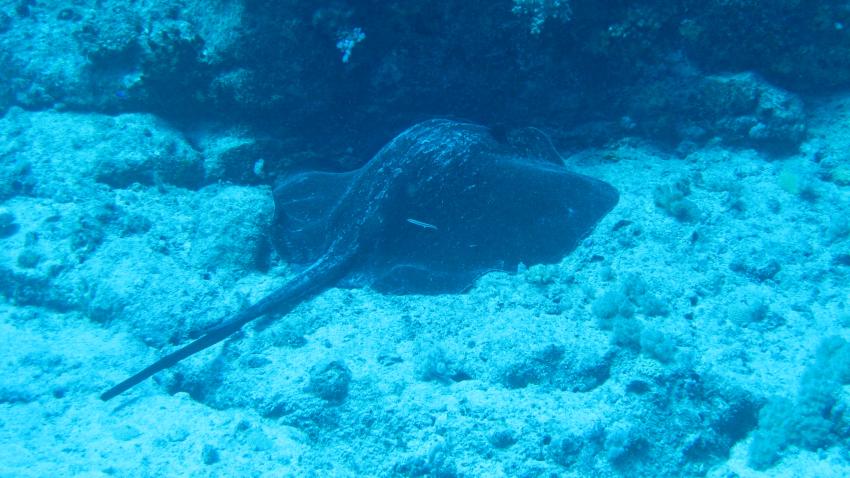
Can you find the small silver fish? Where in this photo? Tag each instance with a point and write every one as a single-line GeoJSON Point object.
{"type": "Point", "coordinates": [421, 224]}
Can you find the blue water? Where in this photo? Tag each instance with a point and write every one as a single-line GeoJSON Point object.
{"type": "Point", "coordinates": [699, 328]}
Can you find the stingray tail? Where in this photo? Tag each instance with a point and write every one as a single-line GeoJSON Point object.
{"type": "Point", "coordinates": [304, 286]}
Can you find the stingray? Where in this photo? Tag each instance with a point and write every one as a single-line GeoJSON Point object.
{"type": "Point", "coordinates": [441, 204]}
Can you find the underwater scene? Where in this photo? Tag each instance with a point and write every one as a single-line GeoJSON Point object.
{"type": "Point", "coordinates": [456, 238]}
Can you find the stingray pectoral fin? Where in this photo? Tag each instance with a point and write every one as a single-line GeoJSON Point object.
{"type": "Point", "coordinates": [305, 285]}
{"type": "Point", "coordinates": [304, 206]}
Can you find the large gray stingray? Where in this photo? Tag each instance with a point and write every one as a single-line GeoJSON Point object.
{"type": "Point", "coordinates": [441, 204]}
